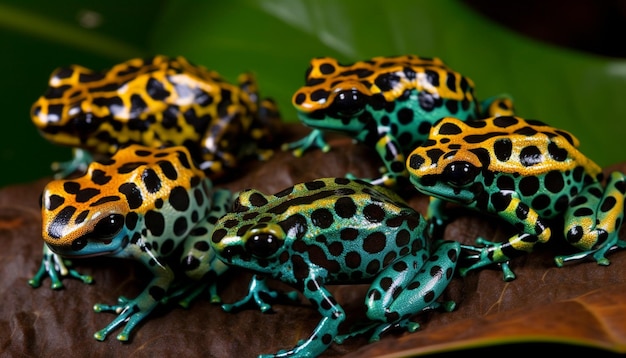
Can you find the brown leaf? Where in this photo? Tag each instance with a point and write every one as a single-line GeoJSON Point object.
{"type": "Point", "coordinates": [581, 303]}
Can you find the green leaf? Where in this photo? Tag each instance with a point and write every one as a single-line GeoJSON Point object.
{"type": "Point", "coordinates": [277, 38]}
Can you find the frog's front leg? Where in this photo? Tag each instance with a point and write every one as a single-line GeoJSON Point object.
{"type": "Point", "coordinates": [401, 290]}
{"type": "Point", "coordinates": [593, 220]}
{"type": "Point", "coordinates": [326, 331]}
{"type": "Point", "coordinates": [313, 140]}
{"type": "Point", "coordinates": [389, 150]}
{"type": "Point", "coordinates": [56, 267]}
{"type": "Point", "coordinates": [133, 311]}
{"type": "Point", "coordinates": [79, 163]}
{"type": "Point", "coordinates": [533, 231]}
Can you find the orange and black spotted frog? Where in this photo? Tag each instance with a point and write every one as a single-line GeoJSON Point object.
{"type": "Point", "coordinates": [528, 174]}
{"type": "Point", "coordinates": [156, 102]}
{"type": "Point", "coordinates": [388, 103]}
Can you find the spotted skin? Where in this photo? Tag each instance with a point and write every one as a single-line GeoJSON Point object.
{"type": "Point", "coordinates": [388, 103]}
{"type": "Point", "coordinates": [339, 231]}
{"type": "Point", "coordinates": [528, 174]}
{"type": "Point", "coordinates": [142, 204]}
{"type": "Point", "coordinates": [156, 102]}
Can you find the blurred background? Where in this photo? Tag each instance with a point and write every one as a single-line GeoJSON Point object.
{"type": "Point", "coordinates": [562, 61]}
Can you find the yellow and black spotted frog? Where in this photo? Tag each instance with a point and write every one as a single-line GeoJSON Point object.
{"type": "Point", "coordinates": [388, 103]}
{"type": "Point", "coordinates": [156, 102]}
{"type": "Point", "coordinates": [528, 174]}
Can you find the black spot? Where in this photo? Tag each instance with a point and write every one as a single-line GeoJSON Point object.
{"type": "Point", "coordinates": [133, 195]}
{"type": "Point", "coordinates": [99, 177]}
{"type": "Point", "coordinates": [530, 156]}
{"type": "Point", "coordinates": [322, 218]}
{"type": "Point", "coordinates": [129, 167]}
{"type": "Point", "coordinates": [179, 198]}
{"type": "Point", "coordinates": [554, 181]}
{"type": "Point", "coordinates": [503, 149]}
{"type": "Point", "coordinates": [405, 116]}
{"type": "Point", "coordinates": [349, 234]}
{"type": "Point", "coordinates": [540, 202]}
{"type": "Point", "coordinates": [345, 207]}
{"type": "Point", "coordinates": [374, 242]}
{"type": "Point", "coordinates": [374, 213]}
{"type": "Point", "coordinates": [257, 199]}
{"type": "Point", "coordinates": [168, 169]}
{"type": "Point", "coordinates": [427, 101]}
{"type": "Point", "coordinates": [529, 185]}
{"type": "Point", "coordinates": [326, 68]}
{"type": "Point", "coordinates": [71, 187]}
{"type": "Point", "coordinates": [505, 121]}
{"type": "Point", "coordinates": [416, 161]}
{"type": "Point", "coordinates": [151, 180]}
{"type": "Point", "coordinates": [155, 222]}
{"type": "Point", "coordinates": [353, 259]}
{"type": "Point", "coordinates": [449, 128]}
{"type": "Point", "coordinates": [180, 226]}
{"type": "Point", "coordinates": [557, 153]}
{"type": "Point", "coordinates": [156, 90]}
{"type": "Point", "coordinates": [54, 201]}
{"type": "Point", "coordinates": [131, 220]}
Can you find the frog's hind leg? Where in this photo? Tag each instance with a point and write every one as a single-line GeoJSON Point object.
{"type": "Point", "coordinates": [495, 106]}
{"type": "Point", "coordinates": [593, 221]}
{"type": "Point", "coordinates": [399, 293]}
{"type": "Point", "coordinates": [79, 163]}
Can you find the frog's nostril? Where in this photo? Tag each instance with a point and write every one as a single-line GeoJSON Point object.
{"type": "Point", "coordinates": [416, 161]}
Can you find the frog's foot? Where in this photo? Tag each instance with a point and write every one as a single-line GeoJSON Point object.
{"type": "Point", "coordinates": [128, 311]}
{"type": "Point", "coordinates": [256, 290]}
{"type": "Point", "coordinates": [313, 140]}
{"type": "Point", "coordinates": [484, 257]}
{"type": "Point", "coordinates": [599, 254]}
{"type": "Point", "coordinates": [79, 163]}
{"type": "Point", "coordinates": [56, 267]}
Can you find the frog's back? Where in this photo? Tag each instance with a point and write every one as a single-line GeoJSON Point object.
{"type": "Point", "coordinates": [349, 227]}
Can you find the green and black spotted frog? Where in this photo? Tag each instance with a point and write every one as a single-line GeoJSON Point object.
{"type": "Point", "coordinates": [528, 174]}
{"type": "Point", "coordinates": [143, 204]}
{"type": "Point", "coordinates": [156, 102]}
{"type": "Point", "coordinates": [388, 103]}
{"type": "Point", "coordinates": [338, 231]}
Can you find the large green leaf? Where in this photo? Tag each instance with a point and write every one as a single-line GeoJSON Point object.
{"type": "Point", "coordinates": [277, 38]}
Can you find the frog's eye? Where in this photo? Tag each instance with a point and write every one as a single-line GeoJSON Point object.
{"type": "Point", "coordinates": [263, 244]}
{"type": "Point", "coordinates": [84, 123]}
{"type": "Point", "coordinates": [348, 103]}
{"type": "Point", "coordinates": [460, 173]}
{"type": "Point", "coordinates": [108, 227]}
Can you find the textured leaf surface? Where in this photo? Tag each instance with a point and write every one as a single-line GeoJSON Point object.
{"type": "Point", "coordinates": [580, 305]}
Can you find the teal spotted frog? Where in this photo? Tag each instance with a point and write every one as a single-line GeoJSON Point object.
{"type": "Point", "coordinates": [142, 204]}
{"type": "Point", "coordinates": [156, 102]}
{"type": "Point", "coordinates": [388, 103]}
{"type": "Point", "coordinates": [338, 231]}
{"type": "Point", "coordinates": [528, 174]}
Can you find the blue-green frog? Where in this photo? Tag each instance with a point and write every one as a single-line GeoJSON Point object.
{"type": "Point", "coordinates": [388, 103]}
{"type": "Point", "coordinates": [142, 204]}
{"type": "Point", "coordinates": [338, 231]}
{"type": "Point", "coordinates": [527, 173]}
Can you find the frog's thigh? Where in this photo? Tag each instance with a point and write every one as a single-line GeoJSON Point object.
{"type": "Point", "coordinates": [401, 290]}
{"type": "Point", "coordinates": [596, 212]}
{"type": "Point", "coordinates": [198, 257]}
{"type": "Point", "coordinates": [391, 153]}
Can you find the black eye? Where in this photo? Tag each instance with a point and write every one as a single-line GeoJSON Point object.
{"type": "Point", "coordinates": [108, 227]}
{"type": "Point", "coordinates": [460, 173]}
{"type": "Point", "coordinates": [348, 103]}
{"type": "Point", "coordinates": [263, 245]}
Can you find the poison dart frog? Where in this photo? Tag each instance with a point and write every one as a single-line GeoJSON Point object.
{"type": "Point", "coordinates": [388, 103]}
{"type": "Point", "coordinates": [143, 204]}
{"type": "Point", "coordinates": [156, 102]}
{"type": "Point", "coordinates": [528, 174]}
{"type": "Point", "coordinates": [339, 231]}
